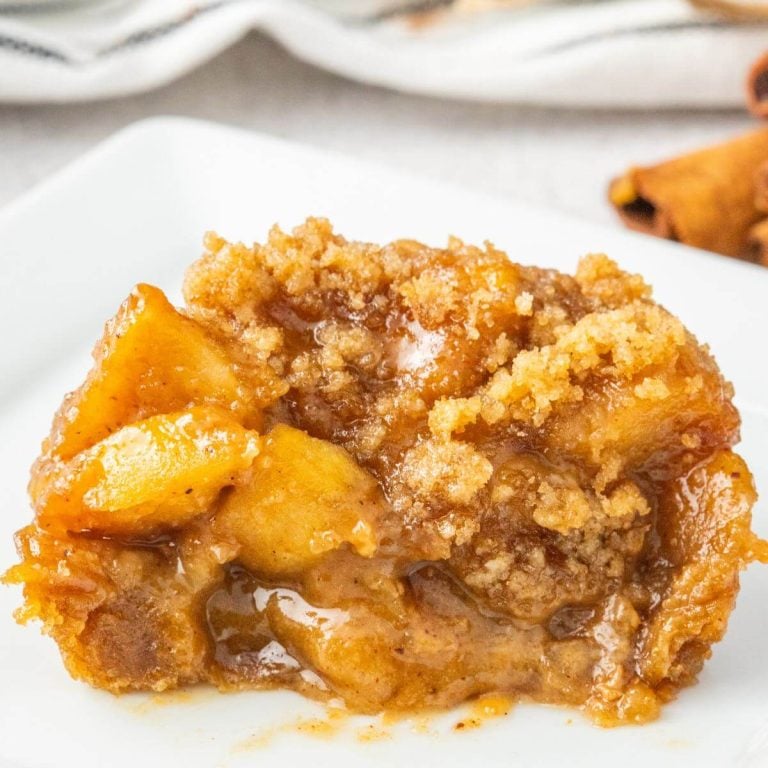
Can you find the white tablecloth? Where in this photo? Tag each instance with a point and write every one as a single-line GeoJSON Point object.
{"type": "Point", "coordinates": [558, 158]}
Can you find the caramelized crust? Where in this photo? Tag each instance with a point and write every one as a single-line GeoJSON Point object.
{"type": "Point", "coordinates": [400, 475]}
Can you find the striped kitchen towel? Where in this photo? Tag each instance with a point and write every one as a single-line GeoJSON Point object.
{"type": "Point", "coordinates": [604, 53]}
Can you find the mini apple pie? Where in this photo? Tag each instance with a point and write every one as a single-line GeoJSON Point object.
{"type": "Point", "coordinates": [401, 476]}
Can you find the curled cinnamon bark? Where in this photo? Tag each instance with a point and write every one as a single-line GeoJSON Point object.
{"type": "Point", "coordinates": [705, 199]}
{"type": "Point", "coordinates": [758, 242]}
{"type": "Point", "coordinates": [761, 188]}
{"type": "Point", "coordinates": [757, 87]}
{"type": "Point", "coordinates": [740, 10]}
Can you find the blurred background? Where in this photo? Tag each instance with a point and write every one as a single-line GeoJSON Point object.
{"type": "Point", "coordinates": [543, 101]}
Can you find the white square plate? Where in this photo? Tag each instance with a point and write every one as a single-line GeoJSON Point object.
{"type": "Point", "coordinates": [135, 209]}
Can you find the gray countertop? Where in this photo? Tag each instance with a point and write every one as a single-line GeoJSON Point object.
{"type": "Point", "coordinates": [562, 159]}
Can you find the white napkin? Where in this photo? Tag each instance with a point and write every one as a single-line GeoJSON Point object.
{"type": "Point", "coordinates": [605, 53]}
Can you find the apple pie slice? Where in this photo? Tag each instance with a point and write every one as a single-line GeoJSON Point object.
{"type": "Point", "coordinates": [399, 475]}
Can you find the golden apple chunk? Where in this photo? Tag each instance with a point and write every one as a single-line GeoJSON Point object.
{"type": "Point", "coordinates": [306, 497]}
{"type": "Point", "coordinates": [159, 471]}
{"type": "Point", "coordinates": [151, 359]}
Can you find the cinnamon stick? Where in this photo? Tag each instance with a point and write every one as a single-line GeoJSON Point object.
{"type": "Point", "coordinates": [736, 10]}
{"type": "Point", "coordinates": [761, 188]}
{"type": "Point", "coordinates": [758, 242]}
{"type": "Point", "coordinates": [705, 199]}
{"type": "Point", "coordinates": [757, 87]}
